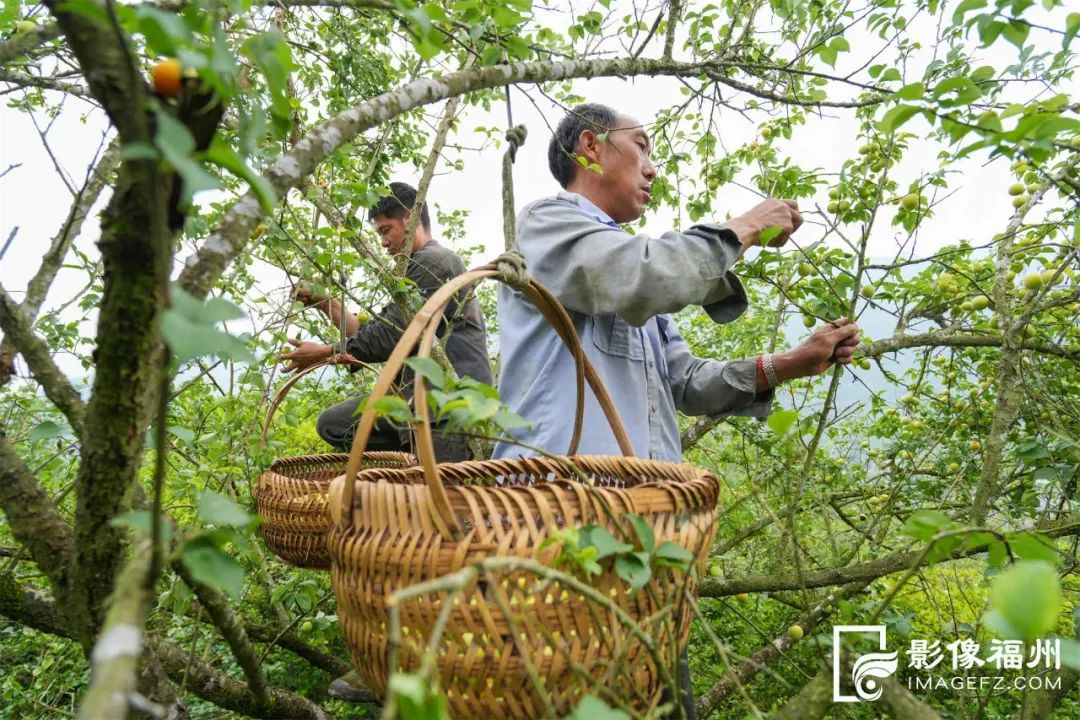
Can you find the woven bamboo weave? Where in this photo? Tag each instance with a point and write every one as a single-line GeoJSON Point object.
{"type": "Point", "coordinates": [291, 499]}
{"type": "Point", "coordinates": [290, 496]}
{"type": "Point", "coordinates": [510, 630]}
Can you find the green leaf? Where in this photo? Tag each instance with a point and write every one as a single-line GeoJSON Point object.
{"type": "Point", "coordinates": [828, 53]}
{"type": "Point", "coordinates": [769, 234]}
{"type": "Point", "coordinates": [989, 29]}
{"type": "Point", "coordinates": [966, 91]}
{"type": "Point", "coordinates": [634, 569]}
{"type": "Point", "coordinates": [492, 55]}
{"type": "Point", "coordinates": [1032, 546]}
{"type": "Point", "coordinates": [896, 117]}
{"type": "Point", "coordinates": [94, 11]}
{"type": "Point", "coordinates": [189, 341]}
{"type": "Point", "coordinates": [165, 32]}
{"type": "Point", "coordinates": [139, 151]}
{"type": "Point", "coordinates": [674, 555]}
{"type": "Point", "coordinates": [222, 155]}
{"type": "Point", "coordinates": [181, 433]}
{"type": "Point", "coordinates": [175, 142]}
{"type": "Point", "coordinates": [606, 545]}
{"type": "Point", "coordinates": [46, 430]}
{"type": "Point", "coordinates": [1016, 32]}
{"type": "Point", "coordinates": [209, 565]}
{"type": "Point", "coordinates": [1072, 27]}
{"type": "Point", "coordinates": [997, 553]}
{"type": "Point", "coordinates": [1025, 601]}
{"type": "Point", "coordinates": [780, 422]}
{"type": "Point", "coordinates": [173, 137]}
{"type": "Point", "coordinates": [593, 708]}
{"type": "Point", "coordinates": [272, 56]}
{"type": "Point", "coordinates": [221, 511]}
{"type": "Point", "coordinates": [219, 309]}
{"type": "Point", "coordinates": [429, 369]}
{"type": "Point", "coordinates": [394, 408]}
{"type": "Point", "coordinates": [914, 91]}
{"type": "Point", "coordinates": [504, 17]}
{"type": "Point", "coordinates": [509, 421]}
{"type": "Point", "coordinates": [415, 698]}
{"type": "Point", "coordinates": [188, 327]}
{"type": "Point", "coordinates": [965, 7]}
{"type": "Point", "coordinates": [141, 520]}
{"type": "Point", "coordinates": [925, 524]}
{"type": "Point", "coordinates": [644, 532]}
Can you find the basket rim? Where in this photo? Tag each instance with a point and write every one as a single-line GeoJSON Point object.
{"type": "Point", "coordinates": [340, 457]}
{"type": "Point", "coordinates": [658, 472]}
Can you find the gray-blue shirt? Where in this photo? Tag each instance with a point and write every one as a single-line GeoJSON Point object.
{"type": "Point", "coordinates": [619, 290]}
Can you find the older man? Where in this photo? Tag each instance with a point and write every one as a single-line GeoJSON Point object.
{"type": "Point", "coordinates": [620, 289]}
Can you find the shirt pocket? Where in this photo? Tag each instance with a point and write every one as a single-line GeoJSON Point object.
{"type": "Point", "coordinates": [614, 336]}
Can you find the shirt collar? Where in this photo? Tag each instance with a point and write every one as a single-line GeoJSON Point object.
{"type": "Point", "coordinates": [588, 206]}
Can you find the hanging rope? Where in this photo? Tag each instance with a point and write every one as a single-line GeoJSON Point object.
{"type": "Point", "coordinates": [511, 263]}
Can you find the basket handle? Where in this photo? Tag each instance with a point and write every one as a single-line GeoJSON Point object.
{"type": "Point", "coordinates": [423, 329]}
{"type": "Point", "coordinates": [286, 386]}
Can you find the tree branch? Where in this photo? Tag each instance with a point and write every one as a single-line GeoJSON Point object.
{"type": "Point", "coordinates": [812, 702]}
{"type": "Point", "coordinates": [108, 66]}
{"type": "Point", "coordinates": [870, 570]}
{"type": "Point", "coordinates": [903, 705]}
{"type": "Point", "coordinates": [217, 607]}
{"type": "Point", "coordinates": [701, 427]}
{"type": "Point", "coordinates": [24, 43]}
{"type": "Point", "coordinates": [1008, 376]}
{"type": "Point", "coordinates": [233, 232]}
{"type": "Point", "coordinates": [293, 643]}
{"type": "Point", "coordinates": [946, 339]}
{"type": "Point", "coordinates": [217, 687]}
{"type": "Point", "coordinates": [116, 653]}
{"type": "Point", "coordinates": [43, 82]}
{"type": "Point", "coordinates": [34, 520]}
{"type": "Point", "coordinates": [53, 259]}
{"type": "Point", "coordinates": [734, 678]}
{"type": "Point", "coordinates": [674, 14]}
{"type": "Point", "coordinates": [30, 606]}
{"type": "Point", "coordinates": [18, 332]}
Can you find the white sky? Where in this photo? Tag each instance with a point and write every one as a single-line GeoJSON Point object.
{"type": "Point", "coordinates": [34, 200]}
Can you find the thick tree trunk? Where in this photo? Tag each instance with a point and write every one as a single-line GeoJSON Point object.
{"type": "Point", "coordinates": [128, 359]}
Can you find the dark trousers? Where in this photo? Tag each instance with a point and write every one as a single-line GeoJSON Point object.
{"type": "Point", "coordinates": [337, 426]}
{"type": "Point", "coordinates": [686, 690]}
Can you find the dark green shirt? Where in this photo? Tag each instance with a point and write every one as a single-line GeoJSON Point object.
{"type": "Point", "coordinates": [466, 347]}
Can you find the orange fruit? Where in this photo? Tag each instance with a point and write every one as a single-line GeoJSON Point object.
{"type": "Point", "coordinates": [167, 77]}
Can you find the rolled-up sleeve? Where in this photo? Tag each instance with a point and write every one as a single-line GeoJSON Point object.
{"type": "Point", "coordinates": [702, 386]}
{"type": "Point", "coordinates": [595, 269]}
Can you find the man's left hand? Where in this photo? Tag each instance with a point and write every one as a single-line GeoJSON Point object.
{"type": "Point", "coordinates": [834, 343]}
{"type": "Point", "coordinates": [305, 355]}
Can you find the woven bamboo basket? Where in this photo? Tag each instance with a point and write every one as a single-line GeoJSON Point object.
{"type": "Point", "coordinates": [291, 496]}
{"type": "Point", "coordinates": [512, 644]}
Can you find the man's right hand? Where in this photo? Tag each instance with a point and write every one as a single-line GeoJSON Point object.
{"type": "Point", "coordinates": [308, 297]}
{"type": "Point", "coordinates": [783, 214]}
{"type": "Point", "coordinates": [305, 355]}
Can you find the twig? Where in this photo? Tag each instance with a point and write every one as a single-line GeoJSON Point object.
{"type": "Point", "coordinates": [217, 607]}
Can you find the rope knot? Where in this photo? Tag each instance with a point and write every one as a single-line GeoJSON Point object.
{"type": "Point", "coordinates": [512, 270]}
{"type": "Point", "coordinates": [516, 137]}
